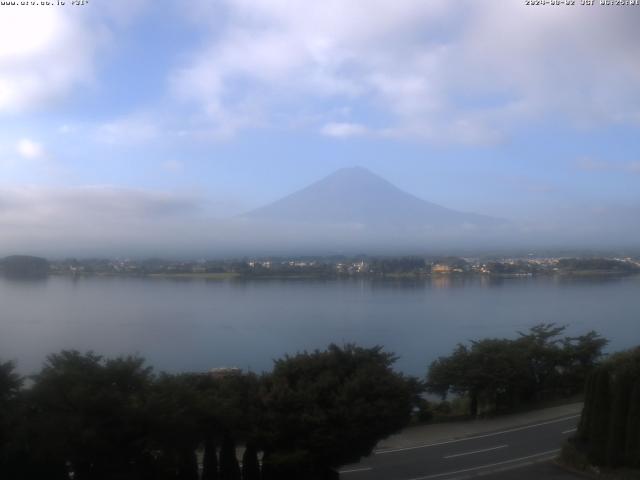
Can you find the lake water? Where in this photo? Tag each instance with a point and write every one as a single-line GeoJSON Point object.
{"type": "Point", "coordinates": [194, 325]}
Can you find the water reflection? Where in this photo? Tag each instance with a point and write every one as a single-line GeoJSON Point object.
{"type": "Point", "coordinates": [194, 324]}
{"type": "Point", "coordinates": [24, 280]}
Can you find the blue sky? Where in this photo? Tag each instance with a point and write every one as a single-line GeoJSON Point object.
{"type": "Point", "coordinates": [526, 113]}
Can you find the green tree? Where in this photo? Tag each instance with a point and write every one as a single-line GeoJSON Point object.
{"type": "Point", "coordinates": [617, 435]}
{"type": "Point", "coordinates": [609, 428]}
{"type": "Point", "coordinates": [500, 373]}
{"type": "Point", "coordinates": [229, 468]}
{"type": "Point", "coordinates": [453, 374]}
{"type": "Point", "coordinates": [599, 421]}
{"type": "Point", "coordinates": [627, 364]}
{"type": "Point", "coordinates": [24, 266]}
{"type": "Point", "coordinates": [176, 429]}
{"type": "Point", "coordinates": [210, 459]}
{"type": "Point", "coordinates": [497, 367]}
{"type": "Point", "coordinates": [10, 385]}
{"type": "Point", "coordinates": [632, 446]}
{"type": "Point", "coordinates": [94, 408]}
{"type": "Point", "coordinates": [227, 404]}
{"type": "Point", "coordinates": [250, 464]}
{"type": "Point", "coordinates": [580, 355]}
{"type": "Point", "coordinates": [10, 382]}
{"type": "Point", "coordinates": [541, 347]}
{"type": "Point", "coordinates": [587, 409]}
{"type": "Point", "coordinates": [492, 372]}
{"type": "Point", "coordinates": [328, 408]}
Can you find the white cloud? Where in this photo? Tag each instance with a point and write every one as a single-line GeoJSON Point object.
{"type": "Point", "coordinates": [44, 54]}
{"type": "Point", "coordinates": [343, 130]}
{"type": "Point", "coordinates": [47, 52]}
{"type": "Point", "coordinates": [94, 204]}
{"type": "Point", "coordinates": [29, 149]}
{"type": "Point", "coordinates": [441, 71]}
{"type": "Point", "coordinates": [103, 220]}
{"type": "Point", "coordinates": [273, 53]}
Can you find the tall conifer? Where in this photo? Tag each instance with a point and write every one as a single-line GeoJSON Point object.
{"type": "Point", "coordinates": [599, 422]}
{"type": "Point", "coordinates": [632, 447]}
{"type": "Point", "coordinates": [587, 409]}
{"type": "Point", "coordinates": [250, 465]}
{"type": "Point", "coordinates": [616, 441]}
{"type": "Point", "coordinates": [210, 460]}
{"type": "Point", "coordinates": [229, 468]}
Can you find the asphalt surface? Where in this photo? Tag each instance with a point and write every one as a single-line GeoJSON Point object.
{"type": "Point", "coordinates": [539, 471]}
{"type": "Point", "coordinates": [492, 455]}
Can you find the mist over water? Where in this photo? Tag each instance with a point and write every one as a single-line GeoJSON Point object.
{"type": "Point", "coordinates": [194, 325]}
{"type": "Point", "coordinates": [352, 210]}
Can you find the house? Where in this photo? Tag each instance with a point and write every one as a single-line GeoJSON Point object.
{"type": "Point", "coordinates": [440, 268]}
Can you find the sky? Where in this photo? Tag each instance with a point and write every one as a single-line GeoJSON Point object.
{"type": "Point", "coordinates": [123, 121]}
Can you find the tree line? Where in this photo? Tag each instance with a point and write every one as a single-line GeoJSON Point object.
{"type": "Point", "coordinates": [498, 374]}
{"type": "Point", "coordinates": [24, 266]}
{"type": "Point", "coordinates": [84, 416]}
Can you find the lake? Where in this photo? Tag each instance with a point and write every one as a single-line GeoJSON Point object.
{"type": "Point", "coordinates": [194, 325]}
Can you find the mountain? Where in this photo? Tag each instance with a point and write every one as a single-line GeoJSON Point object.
{"type": "Point", "coordinates": [356, 196]}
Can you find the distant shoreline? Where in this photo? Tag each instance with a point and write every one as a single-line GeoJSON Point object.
{"type": "Point", "coordinates": [203, 276]}
{"type": "Point", "coordinates": [389, 276]}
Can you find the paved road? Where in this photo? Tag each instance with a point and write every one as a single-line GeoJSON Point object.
{"type": "Point", "coordinates": [538, 471]}
{"type": "Point", "coordinates": [482, 454]}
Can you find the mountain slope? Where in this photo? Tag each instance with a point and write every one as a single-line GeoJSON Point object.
{"type": "Point", "coordinates": [359, 197]}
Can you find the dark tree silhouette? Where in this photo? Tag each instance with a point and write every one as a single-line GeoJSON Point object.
{"type": "Point", "coordinates": [609, 430]}
{"type": "Point", "coordinates": [210, 460]}
{"type": "Point", "coordinates": [498, 374]}
{"type": "Point", "coordinates": [328, 408]}
{"type": "Point", "coordinates": [104, 419]}
{"type": "Point", "coordinates": [229, 468]}
{"type": "Point", "coordinates": [94, 409]}
{"type": "Point", "coordinates": [632, 447]}
{"type": "Point", "coordinates": [250, 464]}
{"type": "Point", "coordinates": [617, 435]}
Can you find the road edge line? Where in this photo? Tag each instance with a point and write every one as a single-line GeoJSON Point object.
{"type": "Point", "coordinates": [474, 437]}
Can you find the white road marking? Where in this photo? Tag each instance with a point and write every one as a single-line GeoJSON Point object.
{"type": "Point", "coordinates": [476, 451]}
{"type": "Point", "coordinates": [571, 430]}
{"type": "Point", "coordinates": [354, 470]}
{"type": "Point", "coordinates": [481, 467]}
{"type": "Point", "coordinates": [517, 429]}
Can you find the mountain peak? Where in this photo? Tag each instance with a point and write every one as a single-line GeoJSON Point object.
{"type": "Point", "coordinates": [355, 170]}
{"type": "Point", "coordinates": [357, 196]}
{"type": "Point", "coordinates": [356, 173]}
{"type": "Point", "coordinates": [352, 179]}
